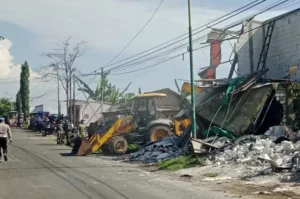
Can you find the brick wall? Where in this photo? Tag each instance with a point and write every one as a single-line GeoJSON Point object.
{"type": "Point", "coordinates": [284, 50]}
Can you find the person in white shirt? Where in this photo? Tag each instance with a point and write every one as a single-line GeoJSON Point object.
{"type": "Point", "coordinates": [5, 134]}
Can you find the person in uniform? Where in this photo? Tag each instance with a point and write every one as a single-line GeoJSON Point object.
{"type": "Point", "coordinates": [81, 129]}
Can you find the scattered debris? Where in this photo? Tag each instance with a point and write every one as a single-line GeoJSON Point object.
{"type": "Point", "coordinates": [159, 151]}
{"type": "Point", "coordinates": [263, 193]}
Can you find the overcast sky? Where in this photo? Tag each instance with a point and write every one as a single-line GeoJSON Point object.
{"type": "Point", "coordinates": [32, 26]}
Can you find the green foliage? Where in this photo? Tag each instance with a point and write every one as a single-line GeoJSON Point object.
{"type": "Point", "coordinates": [182, 162]}
{"type": "Point", "coordinates": [24, 88]}
{"type": "Point", "coordinates": [211, 175]}
{"type": "Point", "coordinates": [5, 106]}
{"type": "Point", "coordinates": [110, 93]}
{"type": "Point", "coordinates": [127, 97]}
{"type": "Point", "coordinates": [19, 103]}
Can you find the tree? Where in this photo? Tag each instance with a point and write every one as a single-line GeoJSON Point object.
{"type": "Point", "coordinates": [5, 106]}
{"type": "Point", "coordinates": [111, 94]}
{"type": "Point", "coordinates": [63, 68]}
{"type": "Point", "coordinates": [127, 97]}
{"type": "Point", "coordinates": [19, 103]}
{"type": "Point", "coordinates": [24, 89]}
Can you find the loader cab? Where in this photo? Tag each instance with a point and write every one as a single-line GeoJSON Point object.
{"type": "Point", "coordinates": [144, 108]}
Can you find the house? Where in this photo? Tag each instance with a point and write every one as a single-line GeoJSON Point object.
{"type": "Point", "coordinates": [284, 49]}
{"type": "Point", "coordinates": [90, 111]}
{"type": "Point", "coordinates": [116, 110]}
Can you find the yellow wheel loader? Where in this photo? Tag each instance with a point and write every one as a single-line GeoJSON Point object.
{"type": "Point", "coordinates": [145, 124]}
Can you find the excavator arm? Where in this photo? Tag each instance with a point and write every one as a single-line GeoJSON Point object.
{"type": "Point", "coordinates": [186, 88]}
{"type": "Point", "coordinates": [117, 128]}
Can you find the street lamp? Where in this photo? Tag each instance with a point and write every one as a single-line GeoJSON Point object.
{"type": "Point", "coordinates": [10, 100]}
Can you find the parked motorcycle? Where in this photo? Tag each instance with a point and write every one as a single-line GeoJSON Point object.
{"type": "Point", "coordinates": [48, 129]}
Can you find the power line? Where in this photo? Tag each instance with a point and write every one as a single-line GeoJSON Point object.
{"type": "Point", "coordinates": [184, 38]}
{"type": "Point", "coordinates": [161, 54]}
{"type": "Point", "coordinates": [260, 12]}
{"type": "Point", "coordinates": [43, 95]}
{"type": "Point", "coordinates": [251, 16]}
{"type": "Point", "coordinates": [137, 34]}
{"type": "Point", "coordinates": [155, 63]}
{"type": "Point", "coordinates": [243, 8]}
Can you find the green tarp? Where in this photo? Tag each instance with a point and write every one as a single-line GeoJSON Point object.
{"type": "Point", "coordinates": [216, 131]}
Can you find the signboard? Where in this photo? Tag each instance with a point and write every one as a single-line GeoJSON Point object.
{"type": "Point", "coordinates": [38, 109]}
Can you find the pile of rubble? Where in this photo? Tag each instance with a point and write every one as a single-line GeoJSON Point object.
{"type": "Point", "coordinates": [164, 149]}
{"type": "Point", "coordinates": [259, 150]}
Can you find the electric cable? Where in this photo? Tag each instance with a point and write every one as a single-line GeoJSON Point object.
{"type": "Point", "coordinates": [183, 38]}
{"type": "Point", "coordinates": [138, 33]}
{"type": "Point", "coordinates": [219, 18]}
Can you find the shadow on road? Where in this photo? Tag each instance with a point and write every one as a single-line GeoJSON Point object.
{"type": "Point", "coordinates": [46, 144]}
{"type": "Point", "coordinates": [66, 154]}
{"type": "Point", "coordinates": [59, 149]}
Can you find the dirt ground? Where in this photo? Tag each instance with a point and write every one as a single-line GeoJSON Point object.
{"type": "Point", "coordinates": [239, 181]}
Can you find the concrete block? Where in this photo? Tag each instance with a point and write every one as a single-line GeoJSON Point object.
{"type": "Point", "coordinates": [285, 51]}
{"type": "Point", "coordinates": [275, 57]}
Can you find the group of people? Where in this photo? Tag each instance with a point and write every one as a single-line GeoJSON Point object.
{"type": "Point", "coordinates": [64, 128]}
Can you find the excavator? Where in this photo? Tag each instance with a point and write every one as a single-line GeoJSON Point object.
{"type": "Point", "coordinates": [144, 124]}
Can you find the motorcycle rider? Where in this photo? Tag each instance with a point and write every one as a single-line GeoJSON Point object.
{"type": "Point", "coordinates": [5, 134]}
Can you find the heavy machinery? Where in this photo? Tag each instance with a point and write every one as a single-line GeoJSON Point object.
{"type": "Point", "coordinates": [144, 124]}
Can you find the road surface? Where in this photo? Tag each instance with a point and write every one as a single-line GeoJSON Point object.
{"type": "Point", "coordinates": [37, 168]}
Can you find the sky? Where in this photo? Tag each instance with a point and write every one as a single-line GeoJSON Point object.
{"type": "Point", "coordinates": [33, 27]}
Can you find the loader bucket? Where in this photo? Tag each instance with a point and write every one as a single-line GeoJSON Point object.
{"type": "Point", "coordinates": [85, 148]}
{"type": "Point", "coordinates": [81, 147]}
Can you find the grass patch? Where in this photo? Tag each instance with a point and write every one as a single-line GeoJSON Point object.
{"type": "Point", "coordinates": [211, 175]}
{"type": "Point", "coordinates": [182, 162]}
{"type": "Point", "coordinates": [25, 126]}
{"type": "Point", "coordinates": [133, 148]}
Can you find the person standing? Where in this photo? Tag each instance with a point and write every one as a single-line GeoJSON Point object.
{"type": "Point", "coordinates": [81, 129]}
{"type": "Point", "coordinates": [5, 134]}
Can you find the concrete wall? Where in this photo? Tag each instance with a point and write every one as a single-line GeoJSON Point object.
{"type": "Point", "coordinates": [87, 111]}
{"type": "Point", "coordinates": [284, 50]}
{"type": "Point", "coordinates": [248, 47]}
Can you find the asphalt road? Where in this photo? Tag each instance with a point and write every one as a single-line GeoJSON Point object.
{"type": "Point", "coordinates": [37, 168]}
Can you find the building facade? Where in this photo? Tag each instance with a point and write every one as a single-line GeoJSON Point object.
{"type": "Point", "coordinates": [90, 111]}
{"type": "Point", "coordinates": [284, 50]}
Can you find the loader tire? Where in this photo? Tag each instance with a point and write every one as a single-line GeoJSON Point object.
{"type": "Point", "coordinates": [157, 133]}
{"type": "Point", "coordinates": [118, 145]}
{"type": "Point", "coordinates": [105, 149]}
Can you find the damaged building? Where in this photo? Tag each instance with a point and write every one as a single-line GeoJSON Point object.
{"type": "Point", "coordinates": [267, 58]}
{"type": "Point", "coordinates": [283, 51]}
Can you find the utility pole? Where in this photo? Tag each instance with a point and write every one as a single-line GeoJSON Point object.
{"type": "Point", "coordinates": [70, 94]}
{"type": "Point", "coordinates": [58, 91]}
{"type": "Point", "coordinates": [192, 72]}
{"type": "Point", "coordinates": [102, 91]}
{"type": "Point", "coordinates": [74, 108]}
